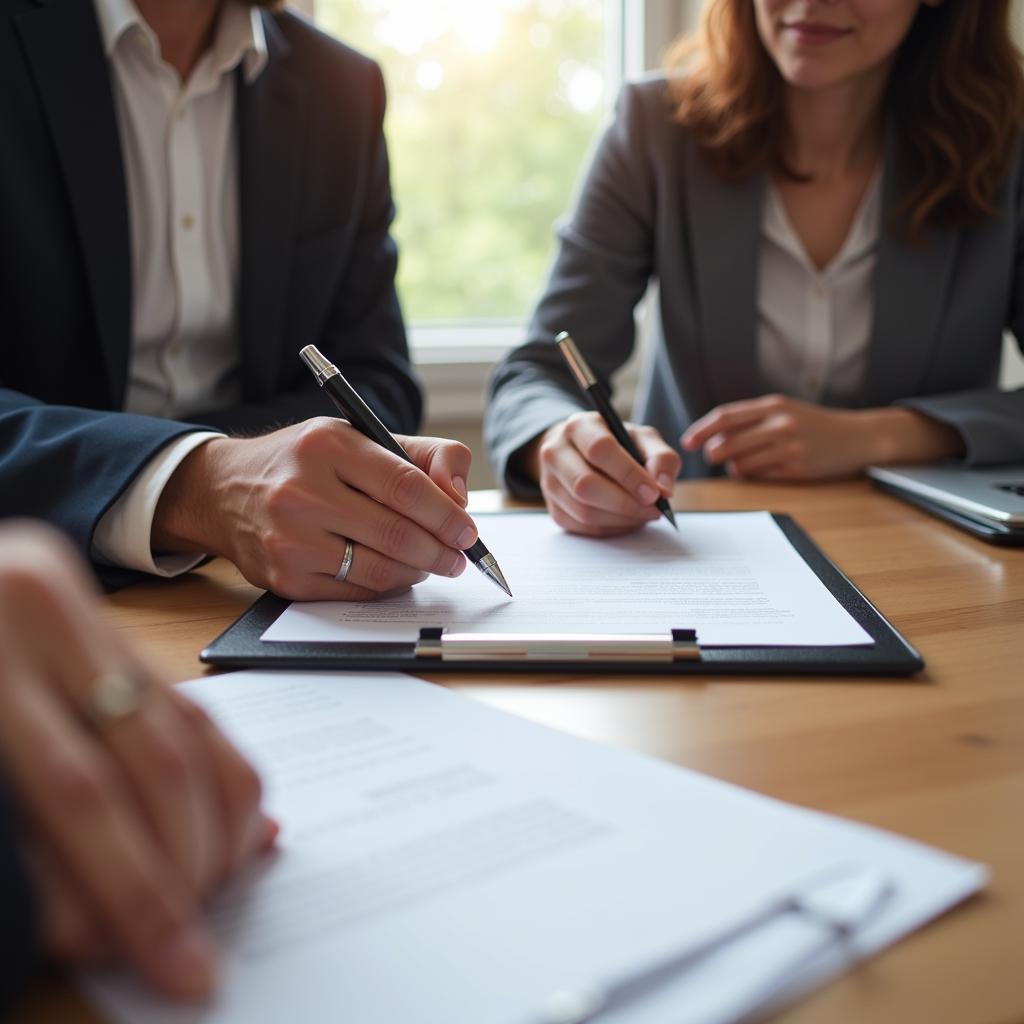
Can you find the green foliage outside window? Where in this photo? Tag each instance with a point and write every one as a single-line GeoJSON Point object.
{"type": "Point", "coordinates": [492, 107]}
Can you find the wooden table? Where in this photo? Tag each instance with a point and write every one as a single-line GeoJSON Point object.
{"type": "Point", "coordinates": [939, 758]}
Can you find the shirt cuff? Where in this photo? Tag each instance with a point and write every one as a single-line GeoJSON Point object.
{"type": "Point", "coordinates": [122, 536]}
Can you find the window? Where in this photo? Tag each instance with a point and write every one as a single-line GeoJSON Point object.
{"type": "Point", "coordinates": [492, 107]}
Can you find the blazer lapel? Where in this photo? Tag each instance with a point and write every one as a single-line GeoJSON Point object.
{"type": "Point", "coordinates": [271, 129]}
{"type": "Point", "coordinates": [911, 283]}
{"type": "Point", "coordinates": [725, 230]}
{"type": "Point", "coordinates": [65, 53]}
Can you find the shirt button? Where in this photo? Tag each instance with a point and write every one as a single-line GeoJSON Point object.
{"type": "Point", "coordinates": [820, 291]}
{"type": "Point", "coordinates": [812, 381]}
{"type": "Point", "coordinates": [188, 222]}
{"type": "Point", "coordinates": [174, 349]}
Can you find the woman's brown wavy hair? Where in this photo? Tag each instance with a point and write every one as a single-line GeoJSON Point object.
{"type": "Point", "coordinates": [956, 93]}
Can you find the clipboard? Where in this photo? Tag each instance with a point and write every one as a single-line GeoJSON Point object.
{"type": "Point", "coordinates": [680, 653]}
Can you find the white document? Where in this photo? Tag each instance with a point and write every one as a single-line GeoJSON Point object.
{"type": "Point", "coordinates": [442, 862]}
{"type": "Point", "coordinates": [732, 576]}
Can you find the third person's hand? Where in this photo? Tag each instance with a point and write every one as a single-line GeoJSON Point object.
{"type": "Point", "coordinates": [131, 813]}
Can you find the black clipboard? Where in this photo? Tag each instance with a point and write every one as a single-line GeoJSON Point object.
{"type": "Point", "coordinates": [239, 646]}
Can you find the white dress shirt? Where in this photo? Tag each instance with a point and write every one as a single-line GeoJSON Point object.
{"type": "Point", "coordinates": [180, 149]}
{"type": "Point", "coordinates": [814, 326]}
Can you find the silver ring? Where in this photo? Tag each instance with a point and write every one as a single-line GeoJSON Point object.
{"type": "Point", "coordinates": [114, 695]}
{"type": "Point", "coordinates": [346, 562]}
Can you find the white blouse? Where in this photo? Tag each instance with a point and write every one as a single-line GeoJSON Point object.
{"type": "Point", "coordinates": [814, 326]}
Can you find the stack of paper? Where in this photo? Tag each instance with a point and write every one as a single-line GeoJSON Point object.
{"type": "Point", "coordinates": [444, 862]}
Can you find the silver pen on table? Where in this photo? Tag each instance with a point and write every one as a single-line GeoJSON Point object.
{"type": "Point", "coordinates": [361, 416]}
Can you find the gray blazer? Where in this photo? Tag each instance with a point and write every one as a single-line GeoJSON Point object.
{"type": "Point", "coordinates": [650, 210]}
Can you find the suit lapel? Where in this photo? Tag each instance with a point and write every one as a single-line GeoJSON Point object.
{"type": "Point", "coordinates": [911, 283]}
{"type": "Point", "coordinates": [64, 51]}
{"type": "Point", "coordinates": [725, 229]}
{"type": "Point", "coordinates": [271, 115]}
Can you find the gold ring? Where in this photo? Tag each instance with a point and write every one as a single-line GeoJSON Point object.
{"type": "Point", "coordinates": [115, 694]}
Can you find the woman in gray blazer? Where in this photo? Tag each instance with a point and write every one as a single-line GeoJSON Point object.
{"type": "Point", "coordinates": [825, 199]}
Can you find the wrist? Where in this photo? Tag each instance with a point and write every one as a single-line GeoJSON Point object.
{"type": "Point", "coordinates": [182, 521]}
{"type": "Point", "coordinates": [527, 460]}
{"type": "Point", "coordinates": [904, 435]}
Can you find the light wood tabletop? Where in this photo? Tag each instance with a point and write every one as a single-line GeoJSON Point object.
{"type": "Point", "coordinates": [939, 757]}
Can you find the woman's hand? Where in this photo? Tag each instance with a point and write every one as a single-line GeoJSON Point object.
{"type": "Point", "coordinates": [591, 484]}
{"type": "Point", "coordinates": [133, 806]}
{"type": "Point", "coordinates": [779, 438]}
{"type": "Point", "coordinates": [282, 506]}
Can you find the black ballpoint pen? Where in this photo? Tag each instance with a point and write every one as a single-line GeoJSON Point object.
{"type": "Point", "coordinates": [361, 416]}
{"type": "Point", "coordinates": [602, 403]}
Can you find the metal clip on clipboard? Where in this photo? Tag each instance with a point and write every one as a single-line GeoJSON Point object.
{"type": "Point", "coordinates": [676, 645]}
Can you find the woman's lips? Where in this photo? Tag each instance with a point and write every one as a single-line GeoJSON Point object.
{"type": "Point", "coordinates": [809, 33]}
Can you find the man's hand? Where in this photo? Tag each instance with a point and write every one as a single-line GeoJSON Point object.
{"type": "Point", "coordinates": [282, 506]}
{"type": "Point", "coordinates": [779, 438]}
{"type": "Point", "coordinates": [591, 484]}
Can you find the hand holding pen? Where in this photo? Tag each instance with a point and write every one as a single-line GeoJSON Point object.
{"type": "Point", "coordinates": [599, 476]}
{"type": "Point", "coordinates": [362, 418]}
{"type": "Point", "coordinates": [318, 511]}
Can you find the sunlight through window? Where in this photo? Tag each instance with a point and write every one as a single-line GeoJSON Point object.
{"type": "Point", "coordinates": [492, 107]}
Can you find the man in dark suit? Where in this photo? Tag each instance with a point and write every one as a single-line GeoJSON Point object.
{"type": "Point", "coordinates": [190, 191]}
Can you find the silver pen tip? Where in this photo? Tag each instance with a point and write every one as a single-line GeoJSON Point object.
{"type": "Point", "coordinates": [496, 575]}
{"type": "Point", "coordinates": [489, 567]}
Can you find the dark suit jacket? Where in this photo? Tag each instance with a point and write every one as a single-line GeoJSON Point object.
{"type": "Point", "coordinates": [651, 210]}
{"type": "Point", "coordinates": [317, 261]}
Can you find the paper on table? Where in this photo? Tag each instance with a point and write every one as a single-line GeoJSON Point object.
{"type": "Point", "coordinates": [732, 576]}
{"type": "Point", "coordinates": [442, 861]}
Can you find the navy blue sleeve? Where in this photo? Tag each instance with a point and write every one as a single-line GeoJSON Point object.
{"type": "Point", "coordinates": [68, 465]}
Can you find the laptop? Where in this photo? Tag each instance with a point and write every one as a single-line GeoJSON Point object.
{"type": "Point", "coordinates": [988, 503]}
